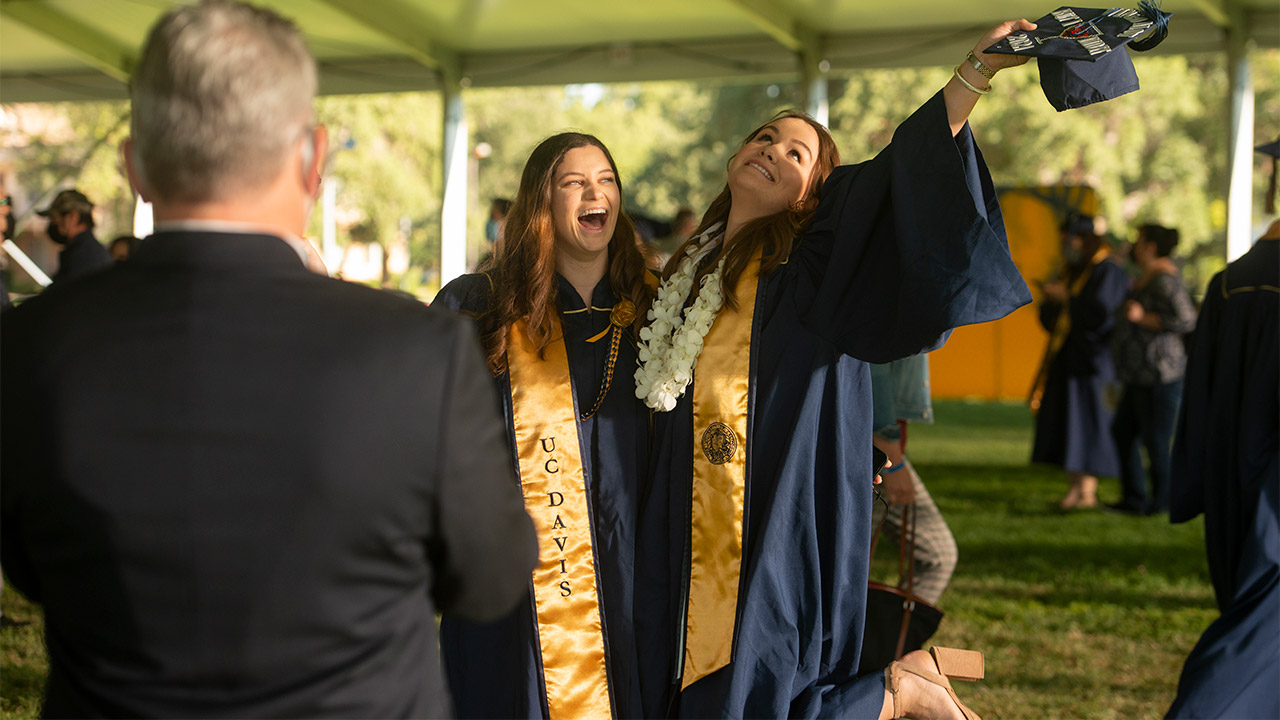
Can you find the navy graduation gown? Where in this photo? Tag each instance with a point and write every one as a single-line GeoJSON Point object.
{"type": "Point", "coordinates": [1073, 425]}
{"type": "Point", "coordinates": [495, 669]}
{"type": "Point", "coordinates": [902, 249]}
{"type": "Point", "coordinates": [1226, 464]}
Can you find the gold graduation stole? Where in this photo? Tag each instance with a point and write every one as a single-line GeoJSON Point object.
{"type": "Point", "coordinates": [720, 405]}
{"type": "Point", "coordinates": [1061, 328]}
{"type": "Point", "coordinates": [570, 632]}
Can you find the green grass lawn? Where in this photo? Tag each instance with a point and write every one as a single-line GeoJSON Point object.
{"type": "Point", "coordinates": [1085, 614]}
{"type": "Point", "coordinates": [1081, 615]}
{"type": "Point", "coordinates": [23, 665]}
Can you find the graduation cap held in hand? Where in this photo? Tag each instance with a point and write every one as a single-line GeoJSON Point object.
{"type": "Point", "coordinates": [1080, 51]}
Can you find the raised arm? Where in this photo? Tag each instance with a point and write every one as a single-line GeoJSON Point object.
{"type": "Point", "coordinates": [906, 246]}
{"type": "Point", "coordinates": [961, 93]}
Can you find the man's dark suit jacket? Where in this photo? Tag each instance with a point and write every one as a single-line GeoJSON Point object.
{"type": "Point", "coordinates": [236, 487]}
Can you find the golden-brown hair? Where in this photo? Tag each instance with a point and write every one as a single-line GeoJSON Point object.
{"type": "Point", "coordinates": [776, 233]}
{"type": "Point", "coordinates": [524, 267]}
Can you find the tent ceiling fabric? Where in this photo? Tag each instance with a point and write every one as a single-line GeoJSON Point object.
{"type": "Point", "coordinates": [83, 49]}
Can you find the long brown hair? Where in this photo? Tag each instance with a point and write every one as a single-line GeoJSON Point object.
{"type": "Point", "coordinates": [776, 233]}
{"type": "Point", "coordinates": [524, 268]}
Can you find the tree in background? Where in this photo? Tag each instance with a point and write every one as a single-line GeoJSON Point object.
{"type": "Point", "coordinates": [51, 147]}
{"type": "Point", "coordinates": [385, 152]}
{"type": "Point", "coordinates": [652, 130]}
{"type": "Point", "coordinates": [1158, 155]}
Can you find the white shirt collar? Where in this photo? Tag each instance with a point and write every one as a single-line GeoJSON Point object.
{"type": "Point", "coordinates": [230, 226]}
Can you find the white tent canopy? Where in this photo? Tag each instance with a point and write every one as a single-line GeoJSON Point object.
{"type": "Point", "coordinates": [54, 50]}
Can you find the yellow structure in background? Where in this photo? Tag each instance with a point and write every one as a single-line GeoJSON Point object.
{"type": "Point", "coordinates": [999, 360]}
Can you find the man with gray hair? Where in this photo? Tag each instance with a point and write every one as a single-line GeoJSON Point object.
{"type": "Point", "coordinates": [235, 486]}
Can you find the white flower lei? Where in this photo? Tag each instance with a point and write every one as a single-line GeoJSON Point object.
{"type": "Point", "coordinates": [672, 341]}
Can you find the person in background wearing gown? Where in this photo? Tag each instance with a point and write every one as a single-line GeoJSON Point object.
{"type": "Point", "coordinates": [1150, 360]}
{"type": "Point", "coordinates": [1226, 465]}
{"type": "Point", "coordinates": [557, 313]}
{"type": "Point", "coordinates": [753, 554]}
{"type": "Point", "coordinates": [1073, 419]}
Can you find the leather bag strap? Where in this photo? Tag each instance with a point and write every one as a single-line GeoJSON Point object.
{"type": "Point", "coordinates": [906, 564]}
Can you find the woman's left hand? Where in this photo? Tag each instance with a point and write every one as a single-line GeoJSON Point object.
{"type": "Point", "coordinates": [970, 82]}
{"type": "Point", "coordinates": [998, 61]}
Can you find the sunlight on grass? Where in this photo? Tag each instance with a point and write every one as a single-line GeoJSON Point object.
{"type": "Point", "coordinates": [22, 658]}
{"type": "Point", "coordinates": [1082, 615]}
{"type": "Point", "coordinates": [974, 433]}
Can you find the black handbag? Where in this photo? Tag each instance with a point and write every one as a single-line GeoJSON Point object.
{"type": "Point", "coordinates": [897, 621]}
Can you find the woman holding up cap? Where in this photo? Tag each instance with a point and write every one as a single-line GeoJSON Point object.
{"type": "Point", "coordinates": [753, 547]}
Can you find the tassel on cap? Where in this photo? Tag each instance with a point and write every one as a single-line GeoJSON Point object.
{"type": "Point", "coordinates": [1156, 34]}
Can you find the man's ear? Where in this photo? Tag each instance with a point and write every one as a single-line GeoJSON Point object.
{"type": "Point", "coordinates": [315, 148]}
{"type": "Point", "coordinates": [133, 170]}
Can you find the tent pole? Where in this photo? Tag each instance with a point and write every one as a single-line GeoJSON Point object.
{"type": "Point", "coordinates": [1240, 163]}
{"type": "Point", "coordinates": [814, 73]}
{"type": "Point", "coordinates": [453, 207]}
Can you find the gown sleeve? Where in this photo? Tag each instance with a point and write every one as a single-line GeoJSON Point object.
{"type": "Point", "coordinates": [465, 293]}
{"type": "Point", "coordinates": [907, 246]}
{"type": "Point", "coordinates": [1192, 458]}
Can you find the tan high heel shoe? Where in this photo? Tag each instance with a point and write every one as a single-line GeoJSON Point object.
{"type": "Point", "coordinates": [966, 665]}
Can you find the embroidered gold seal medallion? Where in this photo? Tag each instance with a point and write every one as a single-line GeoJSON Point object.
{"type": "Point", "coordinates": [719, 443]}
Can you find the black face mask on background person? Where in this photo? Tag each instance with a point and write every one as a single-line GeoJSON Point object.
{"type": "Point", "coordinates": [55, 234]}
{"type": "Point", "coordinates": [9, 222]}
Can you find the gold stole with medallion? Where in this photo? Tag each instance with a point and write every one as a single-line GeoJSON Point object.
{"type": "Point", "coordinates": [720, 413]}
{"type": "Point", "coordinates": [1061, 328]}
{"type": "Point", "coordinates": [570, 631]}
